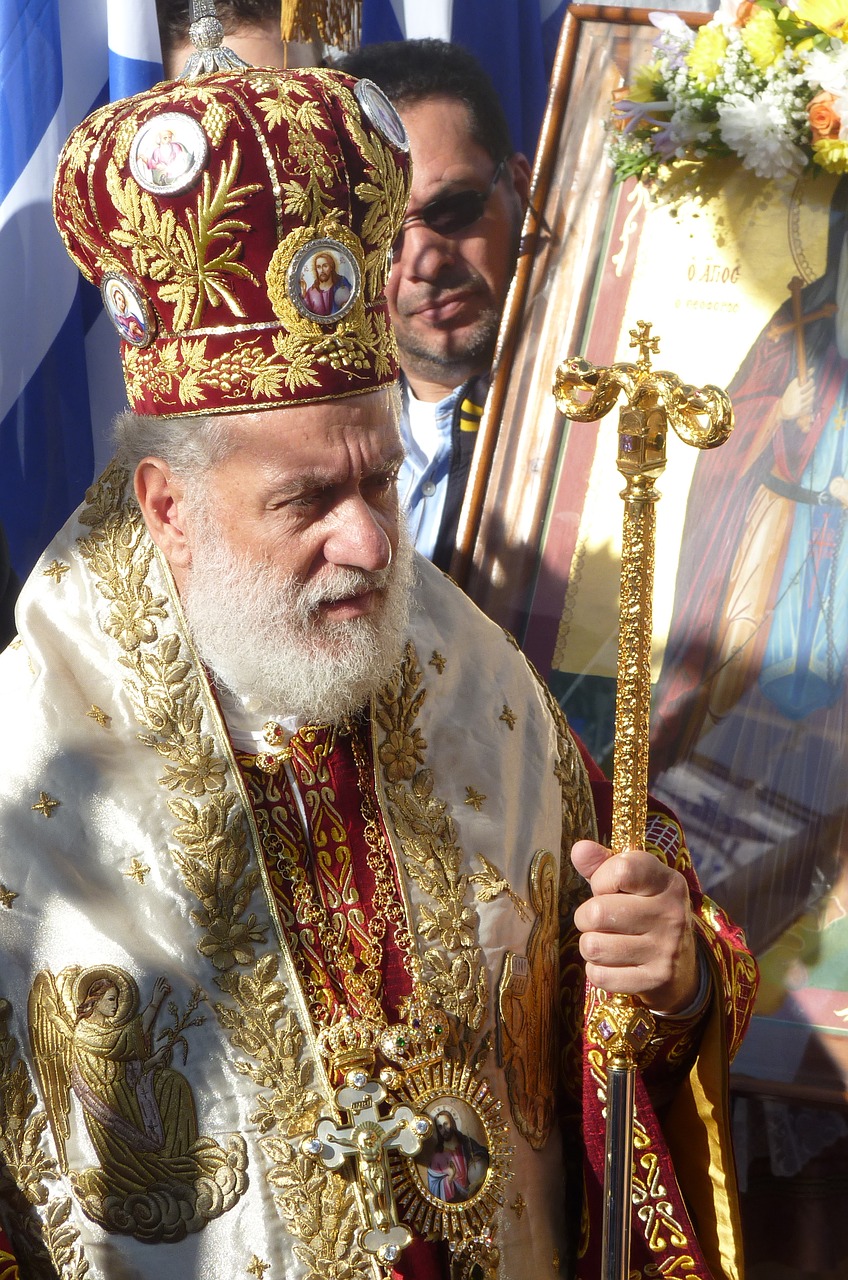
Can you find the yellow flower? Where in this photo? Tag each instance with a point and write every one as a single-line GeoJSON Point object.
{"type": "Point", "coordinates": [763, 40]}
{"type": "Point", "coordinates": [828, 15]}
{"type": "Point", "coordinates": [707, 53]}
{"type": "Point", "coordinates": [646, 86]}
{"type": "Point", "coordinates": [831, 154]}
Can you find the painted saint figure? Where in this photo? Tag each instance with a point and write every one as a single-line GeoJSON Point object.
{"type": "Point", "coordinates": [457, 1166]}
{"type": "Point", "coordinates": [753, 684]}
{"type": "Point", "coordinates": [168, 160]}
{"type": "Point", "coordinates": [330, 291]}
{"type": "Point", "coordinates": [124, 320]}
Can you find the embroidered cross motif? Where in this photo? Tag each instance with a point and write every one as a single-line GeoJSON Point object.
{"type": "Point", "coordinates": [7, 896]}
{"type": "Point", "coordinates": [475, 798]}
{"type": "Point", "coordinates": [137, 871]}
{"type": "Point", "coordinates": [508, 716]}
{"type": "Point", "coordinates": [368, 1140]}
{"type": "Point", "coordinates": [258, 1268]}
{"type": "Point", "coordinates": [96, 713]}
{"type": "Point", "coordinates": [438, 661]}
{"type": "Point", "coordinates": [45, 805]}
{"type": "Point", "coordinates": [519, 1204]}
{"type": "Point", "coordinates": [56, 570]}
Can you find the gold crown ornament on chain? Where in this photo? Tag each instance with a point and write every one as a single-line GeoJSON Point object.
{"type": "Point", "coordinates": [702, 417]}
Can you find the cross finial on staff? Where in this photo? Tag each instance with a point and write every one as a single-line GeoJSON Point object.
{"type": "Point", "coordinates": [641, 337]}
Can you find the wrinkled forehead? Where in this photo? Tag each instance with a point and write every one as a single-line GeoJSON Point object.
{"type": "Point", "coordinates": [329, 438]}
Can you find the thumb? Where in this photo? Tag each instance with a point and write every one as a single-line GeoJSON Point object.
{"type": "Point", "coordinates": [587, 856]}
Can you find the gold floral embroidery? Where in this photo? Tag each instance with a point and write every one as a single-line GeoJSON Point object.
{"type": "Point", "coordinates": [212, 855]}
{"type": "Point", "coordinates": [137, 871]}
{"type": "Point", "coordinates": [63, 1243]}
{"type": "Point", "coordinates": [216, 119]}
{"type": "Point", "coordinates": [318, 1208]}
{"type": "Point", "coordinates": [384, 189]}
{"type": "Point", "coordinates": [249, 367]}
{"type": "Point", "coordinates": [258, 1268]}
{"type": "Point", "coordinates": [438, 661]}
{"type": "Point", "coordinates": [7, 897]}
{"type": "Point", "coordinates": [456, 975]}
{"type": "Point", "coordinates": [40, 1242]}
{"type": "Point", "coordinates": [189, 262]}
{"type": "Point", "coordinates": [98, 714]}
{"type": "Point", "coordinates": [243, 366]}
{"type": "Point", "coordinates": [261, 1027]}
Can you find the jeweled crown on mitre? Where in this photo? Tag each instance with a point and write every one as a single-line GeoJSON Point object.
{"type": "Point", "coordinates": [240, 231]}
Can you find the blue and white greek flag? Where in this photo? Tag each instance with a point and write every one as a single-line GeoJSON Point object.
{"type": "Point", "coordinates": [514, 39]}
{"type": "Point", "coordinates": [60, 378]}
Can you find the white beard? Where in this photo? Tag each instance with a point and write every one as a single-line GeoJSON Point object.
{"type": "Point", "coordinates": [261, 636]}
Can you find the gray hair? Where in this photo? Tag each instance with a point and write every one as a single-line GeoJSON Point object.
{"type": "Point", "coordinates": [190, 446]}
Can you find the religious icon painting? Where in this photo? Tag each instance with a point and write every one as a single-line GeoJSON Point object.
{"type": "Point", "coordinates": [376, 106]}
{"type": "Point", "coordinates": [168, 153]}
{"type": "Point", "coordinates": [455, 1159]}
{"type": "Point", "coordinates": [324, 281]}
{"type": "Point", "coordinates": [455, 1183]}
{"type": "Point", "coordinates": [127, 309]}
{"type": "Point", "coordinates": [743, 282]}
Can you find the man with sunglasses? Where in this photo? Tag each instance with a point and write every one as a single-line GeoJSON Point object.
{"type": "Point", "coordinates": [452, 265]}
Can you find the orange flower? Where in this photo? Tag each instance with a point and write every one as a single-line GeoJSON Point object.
{"type": "Point", "coordinates": [745, 12]}
{"type": "Point", "coordinates": [824, 121]}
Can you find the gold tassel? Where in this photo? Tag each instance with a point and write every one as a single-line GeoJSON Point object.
{"type": "Point", "coordinates": [335, 22]}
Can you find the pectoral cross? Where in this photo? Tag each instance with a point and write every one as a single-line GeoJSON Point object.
{"type": "Point", "coordinates": [368, 1139]}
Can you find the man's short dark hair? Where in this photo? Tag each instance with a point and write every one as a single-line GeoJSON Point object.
{"type": "Point", "coordinates": [173, 17]}
{"type": "Point", "coordinates": [409, 71]}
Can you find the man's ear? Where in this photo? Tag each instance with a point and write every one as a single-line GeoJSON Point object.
{"type": "Point", "coordinates": [161, 496]}
{"type": "Point", "coordinates": [519, 167]}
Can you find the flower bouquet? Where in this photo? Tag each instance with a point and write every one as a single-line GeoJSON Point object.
{"type": "Point", "coordinates": [762, 82]}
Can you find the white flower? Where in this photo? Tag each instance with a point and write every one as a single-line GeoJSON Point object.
{"type": "Point", "coordinates": [828, 68]}
{"type": "Point", "coordinates": [633, 114]}
{"type": "Point", "coordinates": [725, 15]}
{"type": "Point", "coordinates": [671, 25]}
{"type": "Point", "coordinates": [761, 135]}
{"type": "Point", "coordinates": [675, 138]}
{"type": "Point", "coordinates": [675, 38]}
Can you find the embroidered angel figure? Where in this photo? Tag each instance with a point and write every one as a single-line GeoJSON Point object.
{"type": "Point", "coordinates": [90, 1039]}
{"type": "Point", "coordinates": [157, 1179]}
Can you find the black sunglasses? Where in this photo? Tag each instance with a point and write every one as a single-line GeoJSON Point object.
{"type": "Point", "coordinates": [449, 214]}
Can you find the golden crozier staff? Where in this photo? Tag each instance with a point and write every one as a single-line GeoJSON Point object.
{"type": "Point", "coordinates": [704, 418]}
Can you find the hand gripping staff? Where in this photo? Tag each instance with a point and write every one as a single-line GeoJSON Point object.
{"type": "Point", "coordinates": [702, 417]}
